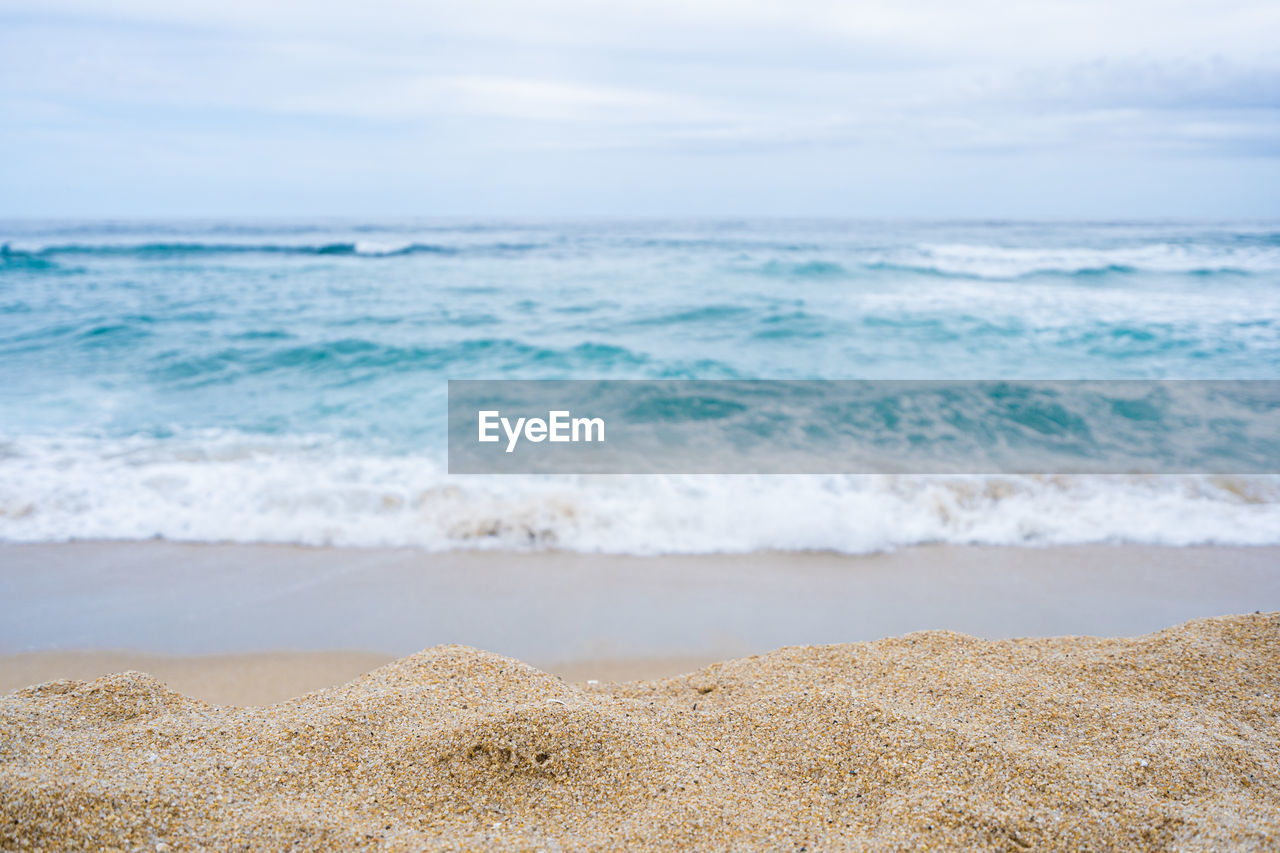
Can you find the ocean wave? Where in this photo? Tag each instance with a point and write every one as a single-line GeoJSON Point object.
{"type": "Point", "coordinates": [997, 262]}
{"type": "Point", "coordinates": [13, 259]}
{"type": "Point", "coordinates": [229, 486]}
{"type": "Point", "coordinates": [988, 263]}
{"type": "Point", "coordinates": [43, 256]}
{"type": "Point", "coordinates": [837, 259]}
{"type": "Point", "coordinates": [353, 328]}
{"type": "Point", "coordinates": [814, 269]}
{"type": "Point", "coordinates": [344, 356]}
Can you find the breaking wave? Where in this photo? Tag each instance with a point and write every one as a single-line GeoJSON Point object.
{"type": "Point", "coordinates": [234, 487]}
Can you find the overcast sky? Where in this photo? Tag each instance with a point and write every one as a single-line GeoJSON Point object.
{"type": "Point", "coordinates": [1088, 108]}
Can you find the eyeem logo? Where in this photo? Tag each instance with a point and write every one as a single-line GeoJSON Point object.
{"type": "Point", "coordinates": [558, 426]}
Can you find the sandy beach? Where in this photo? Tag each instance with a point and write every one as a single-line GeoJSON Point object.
{"type": "Point", "coordinates": [933, 740]}
{"type": "Point", "coordinates": [254, 725]}
{"type": "Point", "coordinates": [253, 625]}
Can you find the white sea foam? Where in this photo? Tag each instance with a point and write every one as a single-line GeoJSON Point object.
{"type": "Point", "coordinates": [378, 247]}
{"type": "Point", "coordinates": [987, 261]}
{"type": "Point", "coordinates": [230, 487]}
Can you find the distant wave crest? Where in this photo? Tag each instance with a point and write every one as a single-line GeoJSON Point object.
{"type": "Point", "coordinates": [954, 260]}
{"type": "Point", "coordinates": [996, 262]}
{"type": "Point", "coordinates": [365, 248]}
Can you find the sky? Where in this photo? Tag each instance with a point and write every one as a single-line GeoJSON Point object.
{"type": "Point", "coordinates": [905, 108]}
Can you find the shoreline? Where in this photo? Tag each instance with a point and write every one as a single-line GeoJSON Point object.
{"type": "Point", "coordinates": [555, 607]}
{"type": "Point", "coordinates": [253, 624]}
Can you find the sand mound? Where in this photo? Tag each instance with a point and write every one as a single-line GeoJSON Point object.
{"type": "Point", "coordinates": [929, 741]}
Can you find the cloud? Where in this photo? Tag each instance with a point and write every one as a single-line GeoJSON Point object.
{"type": "Point", "coordinates": [636, 82]}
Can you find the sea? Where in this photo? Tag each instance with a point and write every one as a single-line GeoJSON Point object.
{"type": "Point", "coordinates": [285, 381]}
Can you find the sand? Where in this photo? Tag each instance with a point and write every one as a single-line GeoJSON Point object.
{"type": "Point", "coordinates": [932, 740]}
{"type": "Point", "coordinates": [264, 678]}
{"type": "Point", "coordinates": [549, 608]}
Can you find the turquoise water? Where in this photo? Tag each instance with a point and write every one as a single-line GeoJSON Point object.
{"type": "Point", "coordinates": [286, 381]}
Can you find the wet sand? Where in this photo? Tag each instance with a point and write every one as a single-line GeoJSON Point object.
{"type": "Point", "coordinates": [251, 625]}
{"type": "Point", "coordinates": [929, 741]}
{"type": "Point", "coordinates": [552, 609]}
